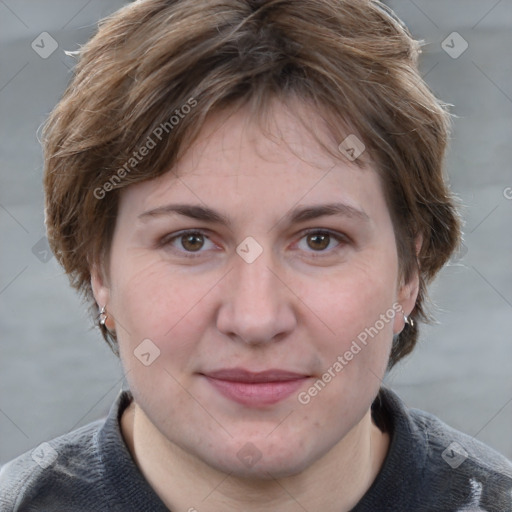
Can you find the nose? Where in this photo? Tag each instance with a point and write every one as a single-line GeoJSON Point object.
{"type": "Point", "coordinates": [257, 306]}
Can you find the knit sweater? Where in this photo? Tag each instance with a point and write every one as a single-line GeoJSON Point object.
{"type": "Point", "coordinates": [430, 467]}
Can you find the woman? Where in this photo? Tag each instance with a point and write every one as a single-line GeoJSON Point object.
{"type": "Point", "coordinates": [251, 197]}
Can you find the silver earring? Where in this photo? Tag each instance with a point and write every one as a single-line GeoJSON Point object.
{"type": "Point", "coordinates": [103, 316]}
{"type": "Point", "coordinates": [409, 321]}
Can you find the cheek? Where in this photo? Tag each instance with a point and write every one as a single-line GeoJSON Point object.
{"type": "Point", "coordinates": [352, 301]}
{"type": "Point", "coordinates": [358, 309]}
{"type": "Point", "coordinates": [151, 302]}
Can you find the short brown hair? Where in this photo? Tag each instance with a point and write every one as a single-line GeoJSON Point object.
{"type": "Point", "coordinates": [351, 60]}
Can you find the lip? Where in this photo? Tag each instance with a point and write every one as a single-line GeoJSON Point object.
{"type": "Point", "coordinates": [255, 389]}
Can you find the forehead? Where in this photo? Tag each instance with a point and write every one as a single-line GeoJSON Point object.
{"type": "Point", "coordinates": [240, 163]}
{"type": "Point", "coordinates": [277, 137]}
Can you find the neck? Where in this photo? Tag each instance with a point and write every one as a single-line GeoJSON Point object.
{"type": "Point", "coordinates": [335, 482]}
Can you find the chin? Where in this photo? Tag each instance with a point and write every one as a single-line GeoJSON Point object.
{"type": "Point", "coordinates": [269, 463]}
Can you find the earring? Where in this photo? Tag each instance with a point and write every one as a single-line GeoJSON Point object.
{"type": "Point", "coordinates": [103, 316]}
{"type": "Point", "coordinates": [409, 321]}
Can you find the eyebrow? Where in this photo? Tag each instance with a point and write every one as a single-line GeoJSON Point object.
{"type": "Point", "coordinates": [299, 214]}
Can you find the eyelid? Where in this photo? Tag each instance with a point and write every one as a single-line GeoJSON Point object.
{"type": "Point", "coordinates": [167, 240]}
{"type": "Point", "coordinates": [334, 233]}
{"type": "Point", "coordinates": [341, 238]}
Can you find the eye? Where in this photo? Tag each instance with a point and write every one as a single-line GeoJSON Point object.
{"type": "Point", "coordinates": [320, 240]}
{"type": "Point", "coordinates": [190, 243]}
{"type": "Point", "coordinates": [186, 243]}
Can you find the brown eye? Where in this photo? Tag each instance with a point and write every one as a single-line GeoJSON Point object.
{"type": "Point", "coordinates": [187, 244]}
{"type": "Point", "coordinates": [192, 241]}
{"type": "Point", "coordinates": [318, 241]}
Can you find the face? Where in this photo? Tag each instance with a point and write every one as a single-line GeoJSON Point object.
{"type": "Point", "coordinates": [254, 321]}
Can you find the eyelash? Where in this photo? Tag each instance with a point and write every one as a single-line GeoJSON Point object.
{"type": "Point", "coordinates": [167, 240]}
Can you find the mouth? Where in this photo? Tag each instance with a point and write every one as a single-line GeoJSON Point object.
{"type": "Point", "coordinates": [255, 389]}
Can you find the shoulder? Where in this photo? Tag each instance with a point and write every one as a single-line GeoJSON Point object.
{"type": "Point", "coordinates": [457, 446]}
{"type": "Point", "coordinates": [60, 467]}
{"type": "Point", "coordinates": [88, 469]}
{"type": "Point", "coordinates": [447, 468]}
{"type": "Point", "coordinates": [458, 458]}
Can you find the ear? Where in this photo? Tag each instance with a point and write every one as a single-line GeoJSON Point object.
{"type": "Point", "coordinates": [408, 293]}
{"type": "Point", "coordinates": [101, 292]}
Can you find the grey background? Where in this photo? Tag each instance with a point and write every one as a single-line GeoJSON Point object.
{"type": "Point", "coordinates": [57, 374]}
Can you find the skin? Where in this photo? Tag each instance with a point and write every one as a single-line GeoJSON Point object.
{"type": "Point", "coordinates": [297, 307]}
